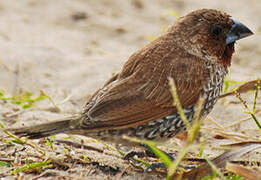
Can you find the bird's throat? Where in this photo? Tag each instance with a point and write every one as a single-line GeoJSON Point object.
{"type": "Point", "coordinates": [228, 52]}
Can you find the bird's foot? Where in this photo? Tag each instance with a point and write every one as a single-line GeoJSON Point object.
{"type": "Point", "coordinates": [131, 154]}
{"type": "Point", "coordinates": [154, 166]}
{"type": "Point", "coordinates": [148, 152]}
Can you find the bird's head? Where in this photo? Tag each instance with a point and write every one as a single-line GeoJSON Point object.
{"type": "Point", "coordinates": [210, 34]}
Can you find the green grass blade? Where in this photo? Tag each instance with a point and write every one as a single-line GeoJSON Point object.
{"type": "Point", "coordinates": [31, 166]}
{"type": "Point", "coordinates": [162, 155]}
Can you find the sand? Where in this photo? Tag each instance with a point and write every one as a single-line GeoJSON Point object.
{"type": "Point", "coordinates": [69, 48]}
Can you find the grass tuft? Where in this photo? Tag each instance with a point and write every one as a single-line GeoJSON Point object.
{"type": "Point", "coordinates": [229, 85]}
{"type": "Point", "coordinates": [3, 163]}
{"type": "Point", "coordinates": [252, 113]}
{"type": "Point", "coordinates": [25, 100]}
{"type": "Point", "coordinates": [32, 166]}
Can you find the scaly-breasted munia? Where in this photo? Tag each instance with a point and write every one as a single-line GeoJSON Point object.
{"type": "Point", "coordinates": [196, 52]}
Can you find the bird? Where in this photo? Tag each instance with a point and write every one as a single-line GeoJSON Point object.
{"type": "Point", "coordinates": [196, 52]}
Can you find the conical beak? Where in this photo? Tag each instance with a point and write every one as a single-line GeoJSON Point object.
{"type": "Point", "coordinates": [237, 31]}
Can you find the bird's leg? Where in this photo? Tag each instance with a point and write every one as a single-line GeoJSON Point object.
{"type": "Point", "coordinates": [140, 154]}
{"type": "Point", "coordinates": [172, 157]}
{"type": "Point", "coordinates": [131, 154]}
{"type": "Point", "coordinates": [148, 152]}
{"type": "Point", "coordinates": [153, 166]}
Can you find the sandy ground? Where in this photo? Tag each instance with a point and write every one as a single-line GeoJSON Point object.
{"type": "Point", "coordinates": [69, 48]}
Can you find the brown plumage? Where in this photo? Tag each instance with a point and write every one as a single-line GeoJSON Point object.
{"type": "Point", "coordinates": [196, 52]}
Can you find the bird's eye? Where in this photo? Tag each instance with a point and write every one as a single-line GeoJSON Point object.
{"type": "Point", "coordinates": [216, 30]}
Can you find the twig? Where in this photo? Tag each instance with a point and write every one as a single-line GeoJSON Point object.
{"type": "Point", "coordinates": [78, 145]}
{"type": "Point", "coordinates": [14, 114]}
{"type": "Point", "coordinates": [56, 108]}
{"type": "Point", "coordinates": [66, 99]}
{"type": "Point", "coordinates": [216, 123]}
{"type": "Point", "coordinates": [232, 135]}
{"type": "Point", "coordinates": [219, 162]}
{"type": "Point", "coordinates": [21, 140]}
{"type": "Point", "coordinates": [251, 85]}
{"type": "Point", "coordinates": [243, 171]}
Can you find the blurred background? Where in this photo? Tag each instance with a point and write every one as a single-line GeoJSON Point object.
{"type": "Point", "coordinates": [75, 45]}
{"type": "Point", "coordinates": [69, 48]}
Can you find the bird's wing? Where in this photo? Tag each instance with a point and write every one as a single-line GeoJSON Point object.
{"type": "Point", "coordinates": [141, 93]}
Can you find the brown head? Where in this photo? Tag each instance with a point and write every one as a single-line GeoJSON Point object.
{"type": "Point", "coordinates": [210, 34]}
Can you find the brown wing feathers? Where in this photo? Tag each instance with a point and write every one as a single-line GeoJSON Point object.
{"type": "Point", "coordinates": [142, 95]}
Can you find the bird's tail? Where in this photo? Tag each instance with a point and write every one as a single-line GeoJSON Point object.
{"type": "Point", "coordinates": [48, 129]}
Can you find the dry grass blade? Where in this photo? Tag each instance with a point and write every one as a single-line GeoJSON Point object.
{"type": "Point", "coordinates": [230, 135]}
{"type": "Point", "coordinates": [251, 85]}
{"type": "Point", "coordinates": [243, 171]}
{"type": "Point", "coordinates": [215, 123]}
{"type": "Point", "coordinates": [55, 108]}
{"type": "Point", "coordinates": [19, 140]}
{"type": "Point", "coordinates": [257, 112]}
{"type": "Point", "coordinates": [242, 143]}
{"type": "Point", "coordinates": [220, 162]}
{"type": "Point", "coordinates": [177, 103]}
